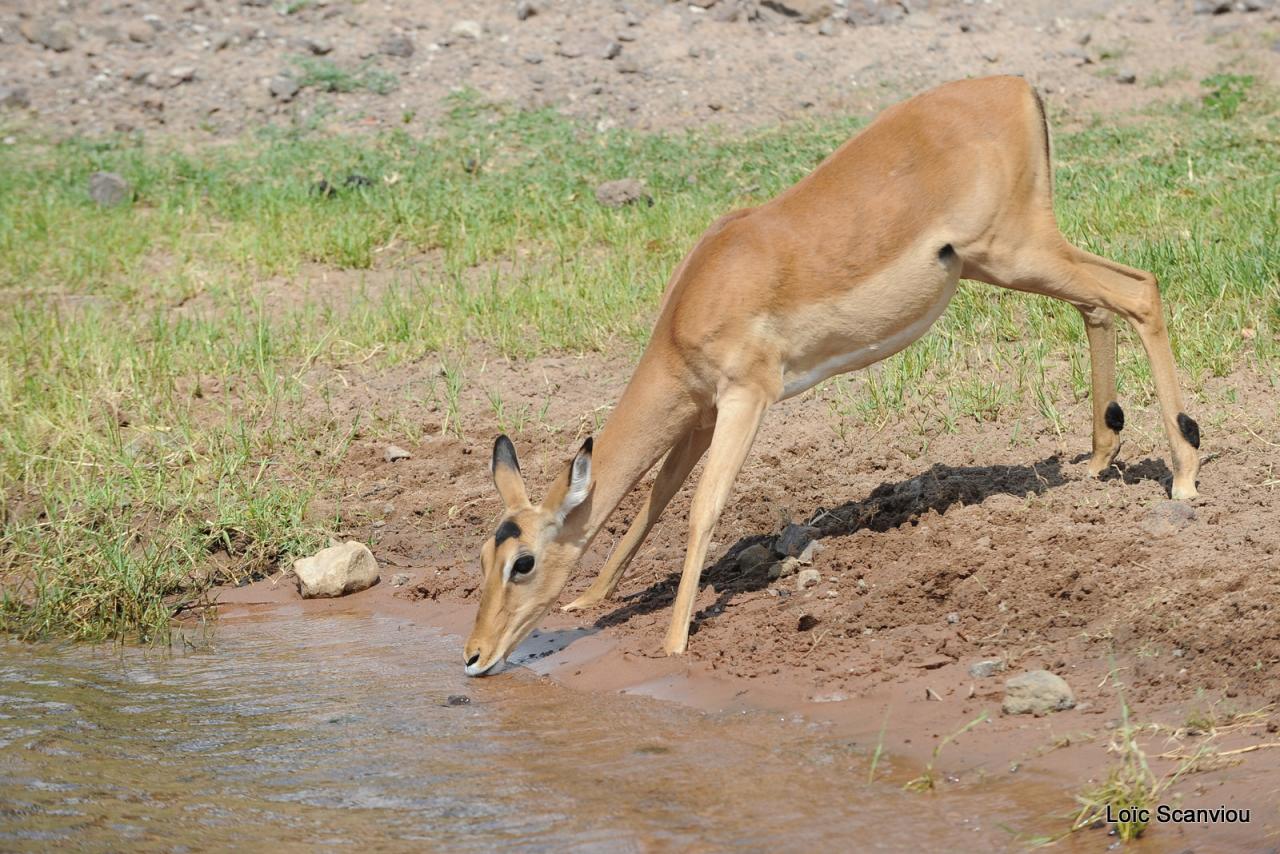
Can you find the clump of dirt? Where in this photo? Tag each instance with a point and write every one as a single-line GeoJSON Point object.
{"type": "Point", "coordinates": [94, 67]}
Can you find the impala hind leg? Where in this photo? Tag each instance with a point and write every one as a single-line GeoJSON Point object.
{"type": "Point", "coordinates": [675, 470]}
{"type": "Point", "coordinates": [1108, 417]}
{"type": "Point", "coordinates": [738, 418]}
{"type": "Point", "coordinates": [1082, 278]}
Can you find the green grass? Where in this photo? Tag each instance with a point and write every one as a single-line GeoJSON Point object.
{"type": "Point", "coordinates": [124, 491]}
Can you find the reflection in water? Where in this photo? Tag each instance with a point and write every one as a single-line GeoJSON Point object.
{"type": "Point", "coordinates": [336, 731]}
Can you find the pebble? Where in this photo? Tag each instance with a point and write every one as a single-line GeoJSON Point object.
{"type": "Point", "coordinates": [58, 34]}
{"type": "Point", "coordinates": [399, 45]}
{"type": "Point", "coordinates": [986, 668]}
{"type": "Point", "coordinates": [283, 87]}
{"type": "Point", "coordinates": [467, 29]}
{"type": "Point", "coordinates": [624, 191]}
{"type": "Point", "coordinates": [400, 579]}
{"type": "Point", "coordinates": [794, 539]}
{"type": "Point", "coordinates": [394, 453]}
{"type": "Point", "coordinates": [525, 10]}
{"type": "Point", "coordinates": [109, 189]}
{"type": "Point", "coordinates": [140, 32]}
{"type": "Point", "coordinates": [458, 700]}
{"type": "Point", "coordinates": [807, 578]}
{"type": "Point", "coordinates": [1126, 77]}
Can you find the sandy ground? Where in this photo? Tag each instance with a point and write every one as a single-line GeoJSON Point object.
{"type": "Point", "coordinates": [207, 68]}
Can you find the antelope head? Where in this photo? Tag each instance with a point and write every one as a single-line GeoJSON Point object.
{"type": "Point", "coordinates": [527, 560]}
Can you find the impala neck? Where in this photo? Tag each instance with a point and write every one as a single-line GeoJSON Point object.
{"type": "Point", "coordinates": [656, 411]}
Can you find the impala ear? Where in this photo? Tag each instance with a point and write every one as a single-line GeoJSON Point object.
{"type": "Point", "coordinates": [506, 474]}
{"type": "Point", "coordinates": [573, 486]}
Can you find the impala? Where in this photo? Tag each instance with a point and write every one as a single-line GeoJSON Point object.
{"type": "Point", "coordinates": [845, 268]}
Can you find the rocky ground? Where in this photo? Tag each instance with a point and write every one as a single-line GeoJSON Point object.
{"type": "Point", "coordinates": [95, 67]}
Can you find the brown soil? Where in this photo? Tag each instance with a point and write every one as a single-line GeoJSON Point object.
{"type": "Point", "coordinates": [941, 549]}
{"type": "Point", "coordinates": [738, 63]}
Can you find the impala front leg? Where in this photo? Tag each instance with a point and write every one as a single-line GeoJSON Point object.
{"type": "Point", "coordinates": [738, 418]}
{"type": "Point", "coordinates": [674, 472]}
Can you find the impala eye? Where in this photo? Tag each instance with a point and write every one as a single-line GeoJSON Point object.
{"type": "Point", "coordinates": [522, 567]}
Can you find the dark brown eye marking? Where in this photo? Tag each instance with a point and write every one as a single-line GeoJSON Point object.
{"type": "Point", "coordinates": [506, 531]}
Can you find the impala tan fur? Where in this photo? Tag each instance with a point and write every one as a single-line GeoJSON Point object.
{"type": "Point", "coordinates": [847, 267]}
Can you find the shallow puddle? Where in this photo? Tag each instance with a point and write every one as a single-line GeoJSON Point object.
{"type": "Point", "coordinates": [337, 731]}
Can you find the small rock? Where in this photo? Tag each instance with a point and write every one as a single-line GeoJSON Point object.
{"type": "Point", "coordinates": [786, 567]}
{"type": "Point", "coordinates": [986, 668]}
{"type": "Point", "coordinates": [393, 453]}
{"type": "Point", "coordinates": [525, 10]}
{"type": "Point", "coordinates": [319, 46]}
{"type": "Point", "coordinates": [625, 191]}
{"type": "Point", "coordinates": [794, 539]}
{"type": "Point", "coordinates": [1037, 693]}
{"type": "Point", "coordinates": [14, 96]}
{"type": "Point", "coordinates": [934, 662]}
{"type": "Point", "coordinates": [471, 30]}
{"type": "Point", "coordinates": [109, 189]}
{"type": "Point", "coordinates": [804, 11]}
{"type": "Point", "coordinates": [807, 578]}
{"type": "Point", "coordinates": [398, 45]}
{"type": "Point", "coordinates": [283, 87]}
{"type": "Point", "coordinates": [1167, 517]}
{"type": "Point", "coordinates": [611, 50]}
{"type": "Point", "coordinates": [458, 700]}
{"type": "Point", "coordinates": [806, 623]}
{"type": "Point", "coordinates": [827, 27]}
{"type": "Point", "coordinates": [57, 35]}
{"type": "Point", "coordinates": [400, 579]}
{"type": "Point", "coordinates": [752, 556]}
{"type": "Point", "coordinates": [627, 65]}
{"type": "Point", "coordinates": [953, 618]}
{"type": "Point", "coordinates": [336, 571]}
{"type": "Point", "coordinates": [1126, 77]}
{"type": "Point", "coordinates": [833, 697]}
{"type": "Point", "coordinates": [1211, 7]}
{"type": "Point", "coordinates": [140, 32]}
{"type": "Point", "coordinates": [806, 557]}
{"type": "Point", "coordinates": [182, 74]}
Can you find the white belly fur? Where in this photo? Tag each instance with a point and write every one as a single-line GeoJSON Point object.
{"type": "Point", "coordinates": [866, 324]}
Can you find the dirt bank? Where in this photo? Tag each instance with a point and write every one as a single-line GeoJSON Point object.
{"type": "Point", "coordinates": [941, 549]}
{"type": "Point", "coordinates": [204, 67]}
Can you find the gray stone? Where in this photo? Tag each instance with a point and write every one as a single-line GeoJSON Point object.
{"type": "Point", "coordinates": [1037, 693]}
{"type": "Point", "coordinates": [336, 571]}
{"type": "Point", "coordinates": [14, 96]}
{"type": "Point", "coordinates": [986, 668]}
{"type": "Point", "coordinates": [471, 30]}
{"type": "Point", "coordinates": [788, 566]}
{"type": "Point", "coordinates": [611, 50]}
{"type": "Point", "coordinates": [525, 10]}
{"type": "Point", "coordinates": [1165, 518]}
{"type": "Point", "coordinates": [400, 579]}
{"type": "Point", "coordinates": [1126, 77]}
{"type": "Point", "coordinates": [794, 539]}
{"type": "Point", "coordinates": [807, 578]}
{"type": "Point", "coordinates": [182, 74]}
{"type": "Point", "coordinates": [1211, 7]}
{"type": "Point", "coordinates": [625, 191]}
{"type": "Point", "coordinates": [140, 32]}
{"type": "Point", "coordinates": [109, 189]}
{"type": "Point", "coordinates": [807, 555]}
{"type": "Point", "coordinates": [752, 556]}
{"type": "Point", "coordinates": [57, 34]}
{"type": "Point", "coordinates": [804, 11]}
{"type": "Point", "coordinates": [394, 453]}
{"type": "Point", "coordinates": [283, 87]}
{"type": "Point", "coordinates": [320, 46]}
{"type": "Point", "coordinates": [399, 45]}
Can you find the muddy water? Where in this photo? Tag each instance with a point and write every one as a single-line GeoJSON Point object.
{"type": "Point", "coordinates": [336, 731]}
